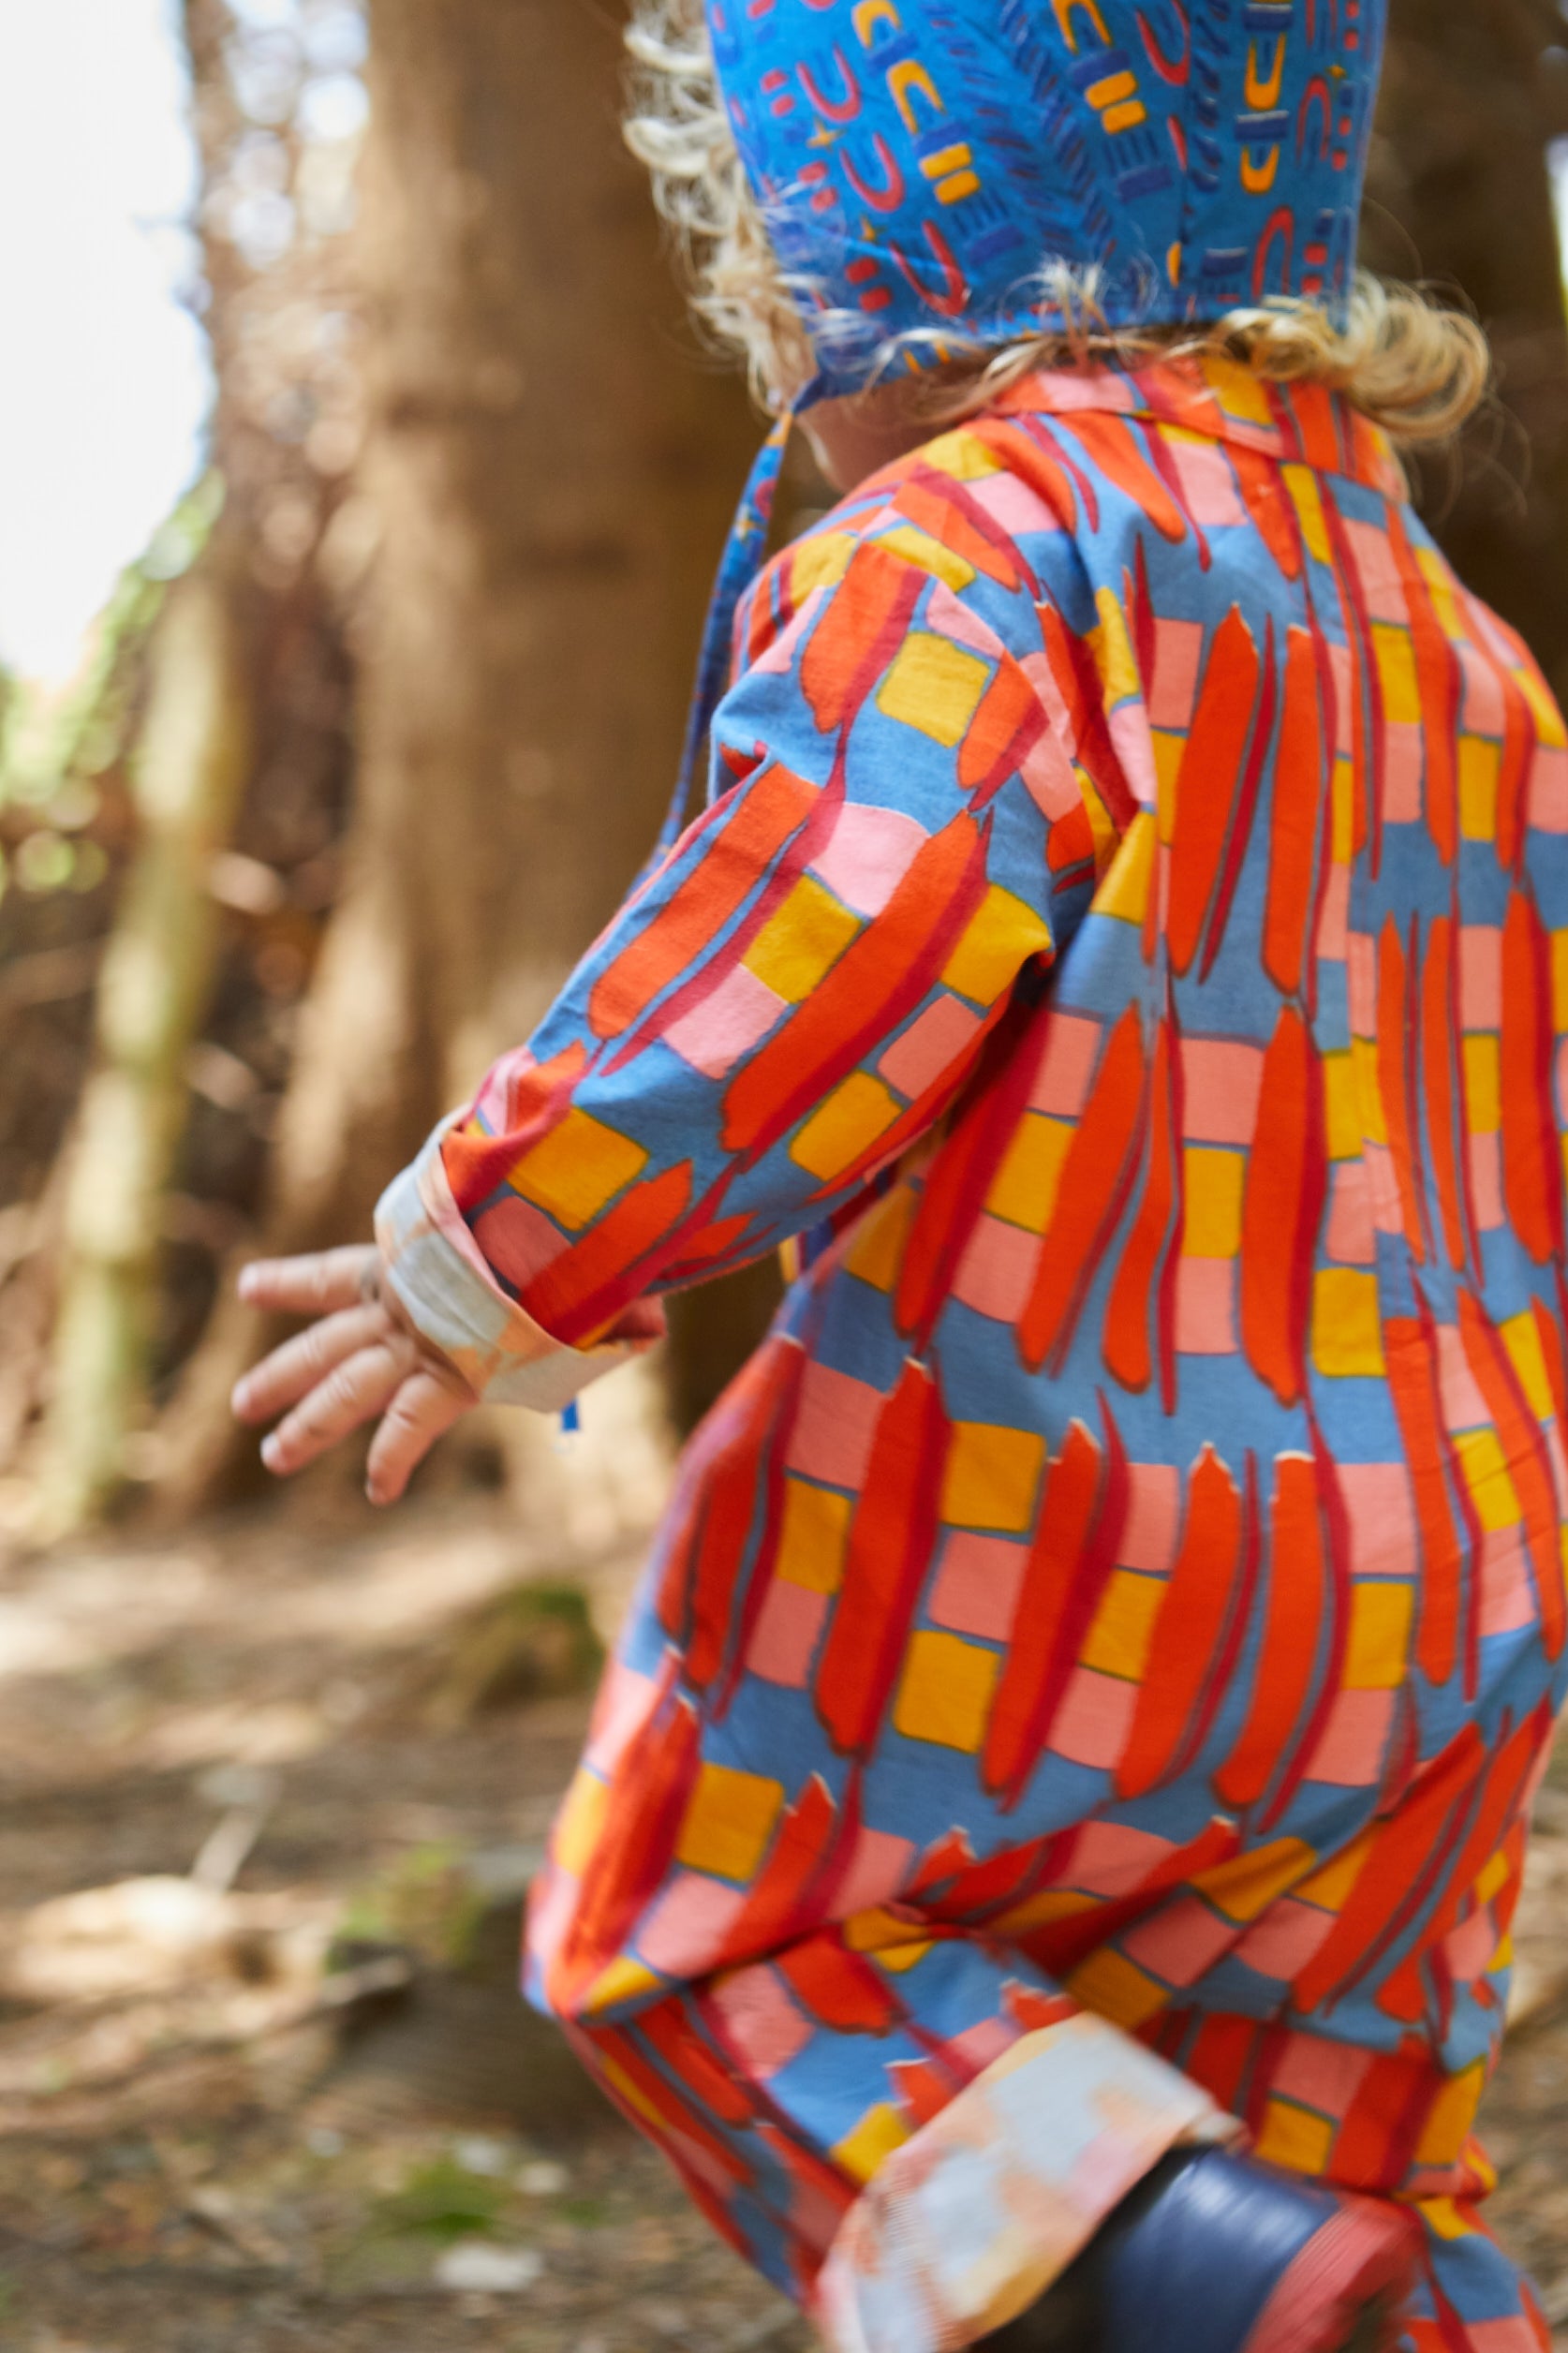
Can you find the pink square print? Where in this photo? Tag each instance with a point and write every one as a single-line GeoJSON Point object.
{"type": "Point", "coordinates": [1463, 1405]}
{"type": "Point", "coordinates": [996, 1273]}
{"type": "Point", "coordinates": [761, 2022]}
{"type": "Point", "coordinates": [833, 1426]}
{"type": "Point", "coordinates": [1334, 920]}
{"type": "Point", "coordinates": [1381, 1516]}
{"type": "Point", "coordinates": [982, 2045]}
{"type": "Point", "coordinates": [1382, 1188]}
{"type": "Point", "coordinates": [1207, 483]}
{"type": "Point", "coordinates": [868, 854]}
{"type": "Point", "coordinates": [1285, 1939]}
{"type": "Point", "coordinates": [1095, 1717]}
{"type": "Point", "coordinates": [785, 1635]}
{"type": "Point", "coordinates": [930, 1046]}
{"type": "Point", "coordinates": [1149, 1539]}
{"type": "Point", "coordinates": [1485, 1180]}
{"type": "Point", "coordinates": [978, 1584]}
{"type": "Point", "coordinates": [1507, 1589]}
{"type": "Point", "coordinates": [1468, 1948]}
{"type": "Point", "coordinates": [1482, 713]}
{"type": "Point", "coordinates": [1177, 648]}
{"type": "Point", "coordinates": [519, 1240]}
{"type": "Point", "coordinates": [684, 1935]}
{"type": "Point", "coordinates": [1111, 1858]}
{"type": "Point", "coordinates": [1221, 1082]}
{"type": "Point", "coordinates": [1361, 981]}
{"type": "Point", "coordinates": [1349, 1754]}
{"type": "Point", "coordinates": [1480, 976]}
{"type": "Point", "coordinates": [1352, 1237]}
{"type": "Point", "coordinates": [1378, 572]}
{"type": "Point", "coordinates": [1205, 1306]}
{"type": "Point", "coordinates": [1320, 2074]}
{"type": "Point", "coordinates": [1181, 1942]}
{"type": "Point", "coordinates": [1065, 1065]}
{"type": "Point", "coordinates": [877, 1870]}
{"type": "Point", "coordinates": [626, 1701]}
{"type": "Point", "coordinates": [1548, 789]}
{"type": "Point", "coordinates": [725, 1024]}
{"type": "Point", "coordinates": [1009, 500]}
{"type": "Point", "coordinates": [1403, 758]}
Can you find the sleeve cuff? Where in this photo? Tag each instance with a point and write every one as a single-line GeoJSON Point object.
{"type": "Point", "coordinates": [441, 1279]}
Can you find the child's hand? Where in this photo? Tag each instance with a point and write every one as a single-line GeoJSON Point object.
{"type": "Point", "coordinates": [359, 1358]}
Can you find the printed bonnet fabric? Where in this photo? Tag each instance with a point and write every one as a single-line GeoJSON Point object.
{"type": "Point", "coordinates": [917, 162]}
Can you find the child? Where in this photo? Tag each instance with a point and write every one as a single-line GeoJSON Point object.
{"type": "Point", "coordinates": [1043, 1864]}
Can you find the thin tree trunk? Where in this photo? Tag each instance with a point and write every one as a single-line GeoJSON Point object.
{"type": "Point", "coordinates": [552, 476]}
{"type": "Point", "coordinates": [189, 769]}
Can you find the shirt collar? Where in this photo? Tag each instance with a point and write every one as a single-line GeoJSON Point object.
{"type": "Point", "coordinates": [1226, 401]}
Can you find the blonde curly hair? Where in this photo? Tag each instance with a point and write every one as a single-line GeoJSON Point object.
{"type": "Point", "coordinates": [1409, 362]}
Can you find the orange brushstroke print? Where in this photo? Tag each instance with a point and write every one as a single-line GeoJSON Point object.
{"type": "Point", "coordinates": [1208, 783]}
{"type": "Point", "coordinates": [1089, 1197]}
{"type": "Point", "coordinates": [1282, 1207]}
{"type": "Point", "coordinates": [1532, 1158]}
{"type": "Point", "coordinates": [1300, 794]}
{"type": "Point", "coordinates": [1189, 1628]}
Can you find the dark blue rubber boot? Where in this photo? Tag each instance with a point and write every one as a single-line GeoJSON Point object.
{"type": "Point", "coordinates": [1214, 2253]}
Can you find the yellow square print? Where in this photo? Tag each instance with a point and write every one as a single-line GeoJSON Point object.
{"type": "Point", "coordinates": [575, 1169]}
{"type": "Point", "coordinates": [1024, 1189]}
{"type": "Point", "coordinates": [1002, 934]}
{"type": "Point", "coordinates": [1401, 696]}
{"type": "Point", "coordinates": [944, 1695]}
{"type": "Point", "coordinates": [1479, 763]}
{"type": "Point", "coordinates": [1342, 1107]}
{"type": "Point", "coordinates": [1347, 1327]}
{"type": "Point", "coordinates": [1294, 2138]}
{"type": "Point", "coordinates": [935, 686]}
{"type": "Point", "coordinates": [729, 1822]}
{"type": "Point", "coordinates": [812, 1539]}
{"type": "Point", "coordinates": [848, 1124]}
{"type": "Point", "coordinates": [795, 947]}
{"type": "Point", "coordinates": [1491, 1490]}
{"type": "Point", "coordinates": [865, 2151]}
{"type": "Point", "coordinates": [992, 1477]}
{"type": "Point", "coordinates": [1123, 1624]}
{"type": "Point", "coordinates": [1214, 1185]}
{"type": "Point", "coordinates": [1560, 980]}
{"type": "Point", "coordinates": [1379, 1644]}
{"type": "Point", "coordinates": [1483, 1068]}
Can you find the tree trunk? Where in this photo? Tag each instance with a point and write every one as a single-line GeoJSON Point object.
{"type": "Point", "coordinates": [190, 766]}
{"type": "Point", "coordinates": [551, 476]}
{"type": "Point", "coordinates": [1461, 192]}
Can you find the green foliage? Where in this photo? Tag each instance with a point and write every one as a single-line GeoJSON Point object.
{"type": "Point", "coordinates": [425, 1901]}
{"type": "Point", "coordinates": [56, 743]}
{"type": "Point", "coordinates": [442, 2200]}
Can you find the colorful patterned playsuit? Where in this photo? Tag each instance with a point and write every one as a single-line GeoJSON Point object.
{"type": "Point", "coordinates": [1092, 1677]}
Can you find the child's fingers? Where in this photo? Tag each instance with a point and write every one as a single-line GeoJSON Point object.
{"type": "Point", "coordinates": [423, 1410]}
{"type": "Point", "coordinates": [317, 1283]}
{"type": "Point", "coordinates": [293, 1369]}
{"type": "Point", "coordinates": [354, 1392]}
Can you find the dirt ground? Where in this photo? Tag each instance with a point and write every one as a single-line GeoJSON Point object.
{"type": "Point", "coordinates": [230, 1757]}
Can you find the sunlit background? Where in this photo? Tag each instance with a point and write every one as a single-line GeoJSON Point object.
{"type": "Point", "coordinates": [106, 385]}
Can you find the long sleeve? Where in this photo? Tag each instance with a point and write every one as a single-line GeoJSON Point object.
{"type": "Point", "coordinates": [795, 994]}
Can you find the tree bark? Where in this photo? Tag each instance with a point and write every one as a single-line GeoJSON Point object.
{"type": "Point", "coordinates": [189, 770]}
{"type": "Point", "coordinates": [1459, 192]}
{"type": "Point", "coordinates": [552, 473]}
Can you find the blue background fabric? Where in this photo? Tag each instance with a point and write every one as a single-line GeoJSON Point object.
{"type": "Point", "coordinates": [919, 160]}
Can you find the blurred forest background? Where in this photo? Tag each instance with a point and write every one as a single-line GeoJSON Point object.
{"type": "Point", "coordinates": [360, 754]}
